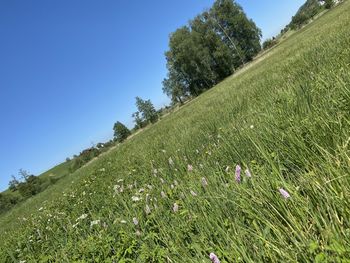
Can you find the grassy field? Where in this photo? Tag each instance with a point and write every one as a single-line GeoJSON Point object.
{"type": "Point", "coordinates": [172, 194]}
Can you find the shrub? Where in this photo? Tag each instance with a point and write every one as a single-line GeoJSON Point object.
{"type": "Point", "coordinates": [270, 42]}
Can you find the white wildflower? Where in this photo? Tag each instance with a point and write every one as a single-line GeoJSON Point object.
{"type": "Point", "coordinates": [147, 210]}
{"type": "Point", "coordinates": [95, 222]}
{"type": "Point", "coordinates": [175, 207]}
{"type": "Point", "coordinates": [83, 216]}
{"type": "Point", "coordinates": [193, 193]}
{"type": "Point", "coordinates": [204, 182]}
{"type": "Point", "coordinates": [247, 173]}
{"type": "Point", "coordinates": [135, 198]}
{"type": "Point", "coordinates": [171, 162]}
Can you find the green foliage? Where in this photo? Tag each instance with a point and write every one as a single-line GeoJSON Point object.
{"type": "Point", "coordinates": [84, 157]}
{"type": "Point", "coordinates": [31, 186]}
{"type": "Point", "coordinates": [306, 12]}
{"type": "Point", "coordinates": [146, 113]}
{"type": "Point", "coordinates": [121, 132]}
{"type": "Point", "coordinates": [7, 201]}
{"type": "Point", "coordinates": [13, 183]}
{"type": "Point", "coordinates": [329, 4]}
{"type": "Point", "coordinates": [285, 117]}
{"type": "Point", "coordinates": [268, 43]}
{"type": "Point", "coordinates": [236, 29]}
{"type": "Point", "coordinates": [209, 49]}
{"type": "Point", "coordinates": [19, 191]}
{"type": "Point", "coordinates": [139, 122]}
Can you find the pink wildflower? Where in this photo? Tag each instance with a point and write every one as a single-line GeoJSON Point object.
{"type": "Point", "coordinates": [189, 168]}
{"type": "Point", "coordinates": [238, 174]}
{"type": "Point", "coordinates": [284, 193]}
{"type": "Point", "coordinates": [214, 258]}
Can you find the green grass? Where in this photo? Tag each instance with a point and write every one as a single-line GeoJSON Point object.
{"type": "Point", "coordinates": [47, 179]}
{"type": "Point", "coordinates": [60, 170]}
{"type": "Point", "coordinates": [57, 172]}
{"type": "Point", "coordinates": [286, 118]}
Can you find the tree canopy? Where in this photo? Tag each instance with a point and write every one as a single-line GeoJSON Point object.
{"type": "Point", "coordinates": [146, 113]}
{"type": "Point", "coordinates": [121, 132]}
{"type": "Point", "coordinates": [208, 49]}
{"type": "Point", "coordinates": [307, 11]}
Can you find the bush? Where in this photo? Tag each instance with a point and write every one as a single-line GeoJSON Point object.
{"type": "Point", "coordinates": [7, 202]}
{"type": "Point", "coordinates": [84, 157]}
{"type": "Point", "coordinates": [268, 43]}
{"type": "Point", "coordinates": [30, 187]}
{"type": "Point", "coordinates": [329, 4]}
{"type": "Point", "coordinates": [121, 132]}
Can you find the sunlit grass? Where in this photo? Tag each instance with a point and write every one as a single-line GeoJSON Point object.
{"type": "Point", "coordinates": [286, 120]}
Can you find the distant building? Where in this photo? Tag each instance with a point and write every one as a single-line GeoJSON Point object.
{"type": "Point", "coordinates": [323, 2]}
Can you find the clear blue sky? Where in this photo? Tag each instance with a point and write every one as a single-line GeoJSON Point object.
{"type": "Point", "coordinates": [70, 69]}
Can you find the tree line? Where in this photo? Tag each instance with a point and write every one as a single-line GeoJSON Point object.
{"type": "Point", "coordinates": [308, 11]}
{"type": "Point", "coordinates": [145, 114]}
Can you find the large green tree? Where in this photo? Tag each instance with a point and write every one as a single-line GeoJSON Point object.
{"type": "Point", "coordinates": [121, 132]}
{"type": "Point", "coordinates": [209, 49]}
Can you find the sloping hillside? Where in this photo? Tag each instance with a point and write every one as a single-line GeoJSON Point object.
{"type": "Point", "coordinates": [254, 170]}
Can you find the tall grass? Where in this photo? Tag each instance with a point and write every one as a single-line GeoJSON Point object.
{"type": "Point", "coordinates": [285, 119]}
